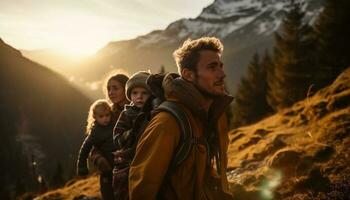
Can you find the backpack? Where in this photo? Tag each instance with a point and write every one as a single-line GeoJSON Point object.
{"type": "Point", "coordinates": [124, 157]}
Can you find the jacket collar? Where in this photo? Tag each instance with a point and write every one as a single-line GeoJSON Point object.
{"type": "Point", "coordinates": [178, 89]}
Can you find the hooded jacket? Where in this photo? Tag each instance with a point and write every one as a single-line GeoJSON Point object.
{"type": "Point", "coordinates": [151, 175]}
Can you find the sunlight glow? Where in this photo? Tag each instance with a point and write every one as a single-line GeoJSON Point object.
{"type": "Point", "coordinates": [273, 179]}
{"type": "Point", "coordinates": [77, 35]}
{"type": "Point", "coordinates": [81, 28]}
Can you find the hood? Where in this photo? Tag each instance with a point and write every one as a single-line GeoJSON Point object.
{"type": "Point", "coordinates": [172, 87]}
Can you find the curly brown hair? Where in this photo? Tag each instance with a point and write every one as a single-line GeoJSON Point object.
{"type": "Point", "coordinates": [187, 55]}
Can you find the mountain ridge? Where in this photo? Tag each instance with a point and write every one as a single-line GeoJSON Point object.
{"type": "Point", "coordinates": [249, 19]}
{"type": "Point", "coordinates": [244, 26]}
{"type": "Point", "coordinates": [42, 122]}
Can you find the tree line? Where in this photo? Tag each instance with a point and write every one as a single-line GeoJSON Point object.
{"type": "Point", "coordinates": [304, 59]}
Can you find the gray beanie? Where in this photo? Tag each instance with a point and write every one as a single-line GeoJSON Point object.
{"type": "Point", "coordinates": [136, 80]}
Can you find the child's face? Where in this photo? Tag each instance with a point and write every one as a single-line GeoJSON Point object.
{"type": "Point", "coordinates": [102, 117]}
{"type": "Point", "coordinates": [139, 96]}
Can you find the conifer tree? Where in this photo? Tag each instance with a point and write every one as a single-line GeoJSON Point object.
{"type": "Point", "coordinates": [293, 67]}
{"type": "Point", "coordinates": [270, 79]}
{"type": "Point", "coordinates": [250, 100]}
{"type": "Point", "coordinates": [57, 178]}
{"type": "Point", "coordinates": [162, 69]}
{"type": "Point", "coordinates": [332, 31]}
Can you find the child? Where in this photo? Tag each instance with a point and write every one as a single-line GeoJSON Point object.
{"type": "Point", "coordinates": [127, 130]}
{"type": "Point", "coordinates": [100, 136]}
{"type": "Point", "coordinates": [137, 93]}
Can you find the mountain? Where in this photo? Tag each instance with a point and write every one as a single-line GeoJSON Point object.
{"type": "Point", "coordinates": [244, 26]}
{"type": "Point", "coordinates": [69, 66]}
{"type": "Point", "coordinates": [57, 61]}
{"type": "Point", "coordinates": [301, 153]}
{"type": "Point", "coordinates": [42, 123]}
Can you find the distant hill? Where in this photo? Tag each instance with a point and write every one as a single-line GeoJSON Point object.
{"type": "Point", "coordinates": [57, 61]}
{"type": "Point", "coordinates": [300, 153]}
{"type": "Point", "coordinates": [42, 123]}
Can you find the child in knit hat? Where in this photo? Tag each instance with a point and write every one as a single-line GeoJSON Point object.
{"type": "Point", "coordinates": [137, 93]}
{"type": "Point", "coordinates": [126, 130]}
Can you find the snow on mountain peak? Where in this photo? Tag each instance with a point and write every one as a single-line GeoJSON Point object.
{"type": "Point", "coordinates": [226, 8]}
{"type": "Point", "coordinates": [224, 17]}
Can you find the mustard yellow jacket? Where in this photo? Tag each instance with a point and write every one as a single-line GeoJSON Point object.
{"type": "Point", "coordinates": [150, 174]}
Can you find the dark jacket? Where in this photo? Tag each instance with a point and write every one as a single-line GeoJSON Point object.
{"type": "Point", "coordinates": [95, 155]}
{"type": "Point", "coordinates": [126, 120]}
{"type": "Point", "coordinates": [101, 138]}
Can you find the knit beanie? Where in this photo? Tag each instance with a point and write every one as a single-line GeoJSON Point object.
{"type": "Point", "coordinates": [136, 80]}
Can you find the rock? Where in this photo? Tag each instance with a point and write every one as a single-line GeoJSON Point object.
{"type": "Point", "coordinates": [286, 160]}
{"type": "Point", "coordinates": [324, 154]}
{"type": "Point", "coordinates": [270, 149]}
{"type": "Point", "coordinates": [315, 181]}
{"type": "Point", "coordinates": [305, 165]}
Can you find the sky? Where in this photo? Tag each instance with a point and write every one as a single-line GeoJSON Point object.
{"type": "Point", "coordinates": [83, 26]}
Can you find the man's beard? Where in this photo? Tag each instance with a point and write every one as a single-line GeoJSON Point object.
{"type": "Point", "coordinates": [204, 92]}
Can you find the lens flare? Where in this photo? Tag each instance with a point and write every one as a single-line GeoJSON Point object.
{"type": "Point", "coordinates": [272, 180]}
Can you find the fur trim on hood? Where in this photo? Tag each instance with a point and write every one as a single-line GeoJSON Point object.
{"type": "Point", "coordinates": [172, 87]}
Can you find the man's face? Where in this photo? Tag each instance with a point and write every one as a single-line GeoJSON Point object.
{"type": "Point", "coordinates": [209, 75]}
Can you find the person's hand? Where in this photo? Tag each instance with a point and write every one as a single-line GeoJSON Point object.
{"type": "Point", "coordinates": [122, 139]}
{"type": "Point", "coordinates": [103, 165]}
{"type": "Point", "coordinates": [94, 156]}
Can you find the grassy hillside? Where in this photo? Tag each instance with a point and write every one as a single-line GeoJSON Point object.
{"type": "Point", "coordinates": [300, 153]}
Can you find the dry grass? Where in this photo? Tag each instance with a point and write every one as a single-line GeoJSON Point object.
{"type": "Point", "coordinates": [88, 187]}
{"type": "Point", "coordinates": [306, 144]}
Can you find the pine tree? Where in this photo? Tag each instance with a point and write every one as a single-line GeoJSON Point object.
{"type": "Point", "coordinates": [57, 178]}
{"type": "Point", "coordinates": [162, 69]}
{"type": "Point", "coordinates": [271, 79]}
{"type": "Point", "coordinates": [20, 186]}
{"type": "Point", "coordinates": [250, 102]}
{"type": "Point", "coordinates": [293, 67]}
{"type": "Point", "coordinates": [332, 31]}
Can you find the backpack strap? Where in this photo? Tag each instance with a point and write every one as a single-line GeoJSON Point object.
{"type": "Point", "coordinates": [186, 138]}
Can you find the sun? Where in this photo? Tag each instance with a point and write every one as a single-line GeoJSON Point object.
{"type": "Point", "coordinates": [76, 49]}
{"type": "Point", "coordinates": [77, 36]}
{"type": "Point", "coordinates": [78, 42]}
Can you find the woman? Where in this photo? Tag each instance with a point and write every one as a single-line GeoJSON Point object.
{"type": "Point", "coordinates": [115, 94]}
